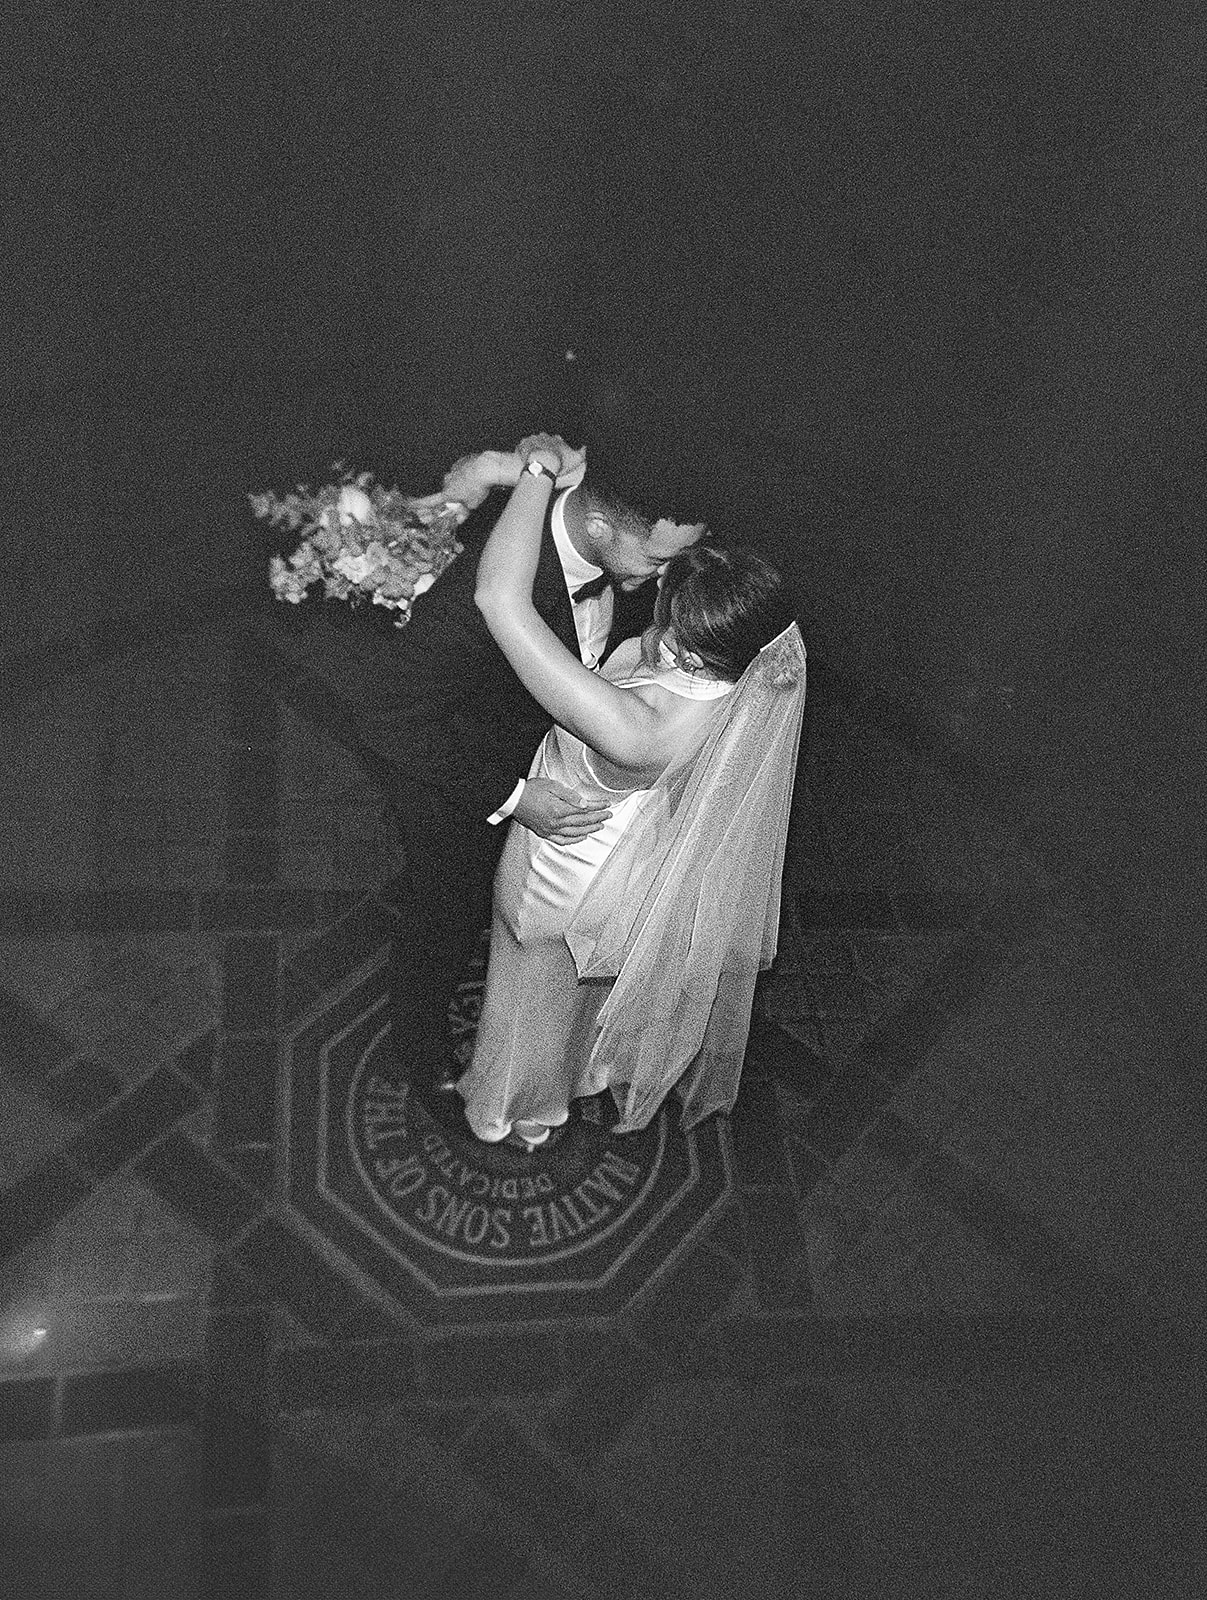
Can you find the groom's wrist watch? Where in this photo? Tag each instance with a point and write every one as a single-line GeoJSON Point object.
{"type": "Point", "coordinates": [538, 469]}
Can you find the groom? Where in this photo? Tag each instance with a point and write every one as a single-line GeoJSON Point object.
{"type": "Point", "coordinates": [453, 731]}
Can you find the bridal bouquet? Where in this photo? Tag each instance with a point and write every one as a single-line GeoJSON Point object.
{"type": "Point", "coordinates": [361, 542]}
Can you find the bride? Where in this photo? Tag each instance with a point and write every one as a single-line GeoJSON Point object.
{"type": "Point", "coordinates": [626, 960]}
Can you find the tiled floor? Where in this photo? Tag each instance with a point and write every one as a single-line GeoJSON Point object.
{"type": "Point", "coordinates": [916, 1322]}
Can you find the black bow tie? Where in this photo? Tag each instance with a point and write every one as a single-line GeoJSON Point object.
{"type": "Point", "coordinates": [588, 591]}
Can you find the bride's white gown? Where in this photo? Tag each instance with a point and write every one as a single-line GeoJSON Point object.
{"type": "Point", "coordinates": [538, 1018]}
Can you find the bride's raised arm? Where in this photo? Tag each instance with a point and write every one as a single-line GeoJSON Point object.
{"type": "Point", "coordinates": [618, 724]}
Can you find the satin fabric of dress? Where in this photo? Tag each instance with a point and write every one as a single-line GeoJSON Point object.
{"type": "Point", "coordinates": [537, 1026]}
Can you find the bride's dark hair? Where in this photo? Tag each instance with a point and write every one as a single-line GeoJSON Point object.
{"type": "Point", "coordinates": [724, 603]}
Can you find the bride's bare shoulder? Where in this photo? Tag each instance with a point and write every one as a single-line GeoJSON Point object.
{"type": "Point", "coordinates": [674, 711]}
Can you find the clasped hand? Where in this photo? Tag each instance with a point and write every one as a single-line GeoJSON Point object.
{"type": "Point", "coordinates": [552, 451]}
{"type": "Point", "coordinates": [470, 479]}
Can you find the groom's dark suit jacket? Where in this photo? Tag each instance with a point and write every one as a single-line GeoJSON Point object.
{"type": "Point", "coordinates": [448, 729]}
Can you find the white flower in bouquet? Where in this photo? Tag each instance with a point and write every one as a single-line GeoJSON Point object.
{"type": "Point", "coordinates": [355, 568]}
{"type": "Point", "coordinates": [361, 541]}
{"type": "Point", "coordinates": [354, 505]}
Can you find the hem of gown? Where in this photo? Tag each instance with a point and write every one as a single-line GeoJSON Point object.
{"type": "Point", "coordinates": [493, 1130]}
{"type": "Point", "coordinates": [692, 1108]}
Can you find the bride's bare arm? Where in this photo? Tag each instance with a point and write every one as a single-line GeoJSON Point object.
{"type": "Point", "coordinates": [618, 723]}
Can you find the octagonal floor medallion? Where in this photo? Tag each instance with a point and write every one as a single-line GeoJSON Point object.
{"type": "Point", "coordinates": [450, 1230]}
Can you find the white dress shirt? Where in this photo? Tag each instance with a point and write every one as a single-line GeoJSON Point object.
{"type": "Point", "coordinates": [592, 617]}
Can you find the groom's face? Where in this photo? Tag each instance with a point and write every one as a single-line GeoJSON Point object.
{"type": "Point", "coordinates": [631, 556]}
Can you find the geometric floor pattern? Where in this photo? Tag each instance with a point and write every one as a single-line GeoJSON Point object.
{"type": "Point", "coordinates": [273, 1325]}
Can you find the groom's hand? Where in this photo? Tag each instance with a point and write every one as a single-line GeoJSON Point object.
{"type": "Point", "coordinates": [555, 812]}
{"type": "Point", "coordinates": [569, 461]}
{"type": "Point", "coordinates": [471, 479]}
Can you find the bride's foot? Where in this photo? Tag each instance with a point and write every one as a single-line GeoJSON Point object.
{"type": "Point", "coordinates": [531, 1134]}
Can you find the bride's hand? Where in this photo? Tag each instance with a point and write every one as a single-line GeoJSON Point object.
{"type": "Point", "coordinates": [552, 451]}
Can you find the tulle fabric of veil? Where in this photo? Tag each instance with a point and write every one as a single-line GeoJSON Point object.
{"type": "Point", "coordinates": [684, 914]}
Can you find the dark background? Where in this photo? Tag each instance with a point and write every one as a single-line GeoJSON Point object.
{"type": "Point", "coordinates": [912, 290]}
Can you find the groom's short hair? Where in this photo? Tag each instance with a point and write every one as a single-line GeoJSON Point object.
{"type": "Point", "coordinates": [605, 499]}
{"type": "Point", "coordinates": [638, 513]}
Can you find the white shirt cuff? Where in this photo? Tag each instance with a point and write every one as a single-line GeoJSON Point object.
{"type": "Point", "coordinates": [508, 806]}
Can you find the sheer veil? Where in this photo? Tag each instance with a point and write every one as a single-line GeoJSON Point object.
{"type": "Point", "coordinates": [684, 914]}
